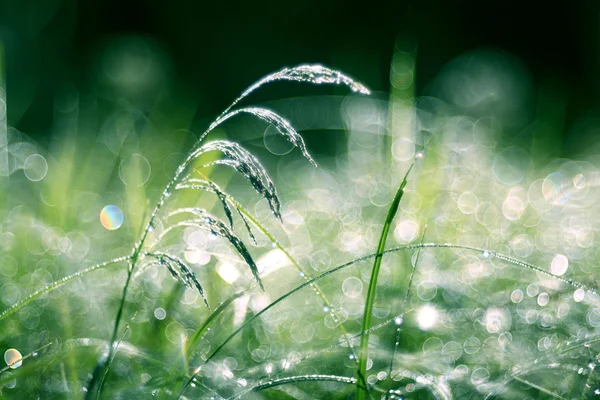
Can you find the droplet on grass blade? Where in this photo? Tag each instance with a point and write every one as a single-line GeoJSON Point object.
{"type": "Point", "coordinates": [246, 164]}
{"type": "Point", "coordinates": [13, 358]}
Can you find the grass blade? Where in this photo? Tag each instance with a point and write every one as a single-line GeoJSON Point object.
{"type": "Point", "coordinates": [363, 351]}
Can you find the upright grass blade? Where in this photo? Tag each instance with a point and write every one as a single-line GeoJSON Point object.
{"type": "Point", "coordinates": [399, 318]}
{"type": "Point", "coordinates": [101, 386]}
{"type": "Point", "coordinates": [363, 351]}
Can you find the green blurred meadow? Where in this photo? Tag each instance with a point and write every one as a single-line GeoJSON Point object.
{"type": "Point", "coordinates": [485, 115]}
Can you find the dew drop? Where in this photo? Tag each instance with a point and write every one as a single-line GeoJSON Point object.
{"type": "Point", "coordinates": [13, 358]}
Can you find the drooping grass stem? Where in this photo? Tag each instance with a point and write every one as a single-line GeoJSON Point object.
{"type": "Point", "coordinates": [316, 74]}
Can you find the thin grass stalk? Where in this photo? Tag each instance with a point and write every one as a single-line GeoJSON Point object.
{"type": "Point", "coordinates": [363, 351]}
{"type": "Point", "coordinates": [403, 310]}
{"type": "Point", "coordinates": [102, 380]}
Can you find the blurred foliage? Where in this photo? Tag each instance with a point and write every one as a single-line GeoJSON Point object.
{"type": "Point", "coordinates": [496, 108]}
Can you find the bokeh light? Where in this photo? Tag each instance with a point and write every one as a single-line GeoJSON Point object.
{"type": "Point", "coordinates": [111, 217]}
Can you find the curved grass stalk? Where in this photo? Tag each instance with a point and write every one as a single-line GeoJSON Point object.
{"type": "Point", "coordinates": [208, 185]}
{"type": "Point", "coordinates": [211, 224]}
{"type": "Point", "coordinates": [281, 124]}
{"type": "Point", "coordinates": [303, 73]}
{"type": "Point", "coordinates": [311, 73]}
{"type": "Point", "coordinates": [247, 165]}
{"type": "Point", "coordinates": [180, 271]}
{"type": "Point", "coordinates": [363, 351]}
{"type": "Point", "coordinates": [295, 379]}
{"type": "Point", "coordinates": [540, 388]}
{"type": "Point", "coordinates": [73, 344]}
{"type": "Point", "coordinates": [505, 258]}
{"type": "Point", "coordinates": [56, 284]}
{"type": "Point", "coordinates": [440, 392]}
{"type": "Point", "coordinates": [517, 377]}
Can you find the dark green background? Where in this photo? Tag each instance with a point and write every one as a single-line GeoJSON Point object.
{"type": "Point", "coordinates": [218, 48]}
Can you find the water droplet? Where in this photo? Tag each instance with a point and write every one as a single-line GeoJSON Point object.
{"type": "Point", "coordinates": [13, 358]}
{"type": "Point", "coordinates": [398, 320]}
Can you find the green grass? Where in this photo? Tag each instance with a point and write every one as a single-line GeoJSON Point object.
{"type": "Point", "coordinates": [297, 290]}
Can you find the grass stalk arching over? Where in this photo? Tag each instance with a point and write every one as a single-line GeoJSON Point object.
{"type": "Point", "coordinates": [290, 336]}
{"type": "Point", "coordinates": [239, 159]}
{"type": "Point", "coordinates": [363, 351]}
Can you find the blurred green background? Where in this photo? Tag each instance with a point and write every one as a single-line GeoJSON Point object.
{"type": "Point", "coordinates": [211, 50]}
{"type": "Point", "coordinates": [105, 99]}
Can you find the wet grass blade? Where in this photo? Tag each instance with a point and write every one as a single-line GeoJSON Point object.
{"type": "Point", "coordinates": [304, 73]}
{"type": "Point", "coordinates": [309, 73]}
{"type": "Point", "coordinates": [281, 124]}
{"type": "Point", "coordinates": [246, 164]}
{"type": "Point", "coordinates": [295, 379]}
{"type": "Point", "coordinates": [363, 351]}
{"type": "Point", "coordinates": [216, 227]}
{"type": "Point", "coordinates": [103, 379]}
{"type": "Point", "coordinates": [181, 272]}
